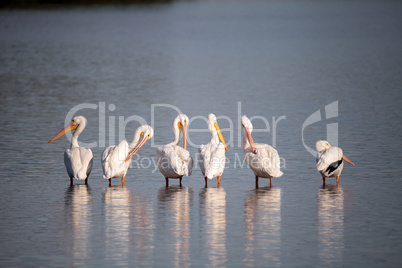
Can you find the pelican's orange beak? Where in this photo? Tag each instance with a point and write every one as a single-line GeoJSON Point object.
{"type": "Point", "coordinates": [220, 135]}
{"type": "Point", "coordinates": [65, 130]}
{"type": "Point", "coordinates": [140, 144]}
{"type": "Point", "coordinates": [250, 139]}
{"type": "Point", "coordinates": [347, 160]}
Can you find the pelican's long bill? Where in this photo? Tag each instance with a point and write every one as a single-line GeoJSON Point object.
{"type": "Point", "coordinates": [220, 135]}
{"type": "Point", "coordinates": [250, 139]}
{"type": "Point", "coordinates": [65, 130]}
{"type": "Point", "coordinates": [140, 144]}
{"type": "Point", "coordinates": [347, 160]}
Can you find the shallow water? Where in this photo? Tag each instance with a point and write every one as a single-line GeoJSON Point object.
{"type": "Point", "coordinates": [281, 60]}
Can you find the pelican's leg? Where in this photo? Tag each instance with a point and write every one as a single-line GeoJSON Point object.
{"type": "Point", "coordinates": [122, 180]}
{"type": "Point", "coordinates": [323, 180]}
{"type": "Point", "coordinates": [337, 181]}
{"type": "Point", "coordinates": [256, 182]}
{"type": "Point", "coordinates": [167, 181]}
{"type": "Point", "coordinates": [206, 182]}
{"type": "Point", "coordinates": [270, 182]}
{"type": "Point", "coordinates": [219, 181]}
{"type": "Point", "coordinates": [110, 182]}
{"type": "Point", "coordinates": [180, 181]}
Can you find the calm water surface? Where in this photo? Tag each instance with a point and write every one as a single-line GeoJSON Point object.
{"type": "Point", "coordinates": [280, 60]}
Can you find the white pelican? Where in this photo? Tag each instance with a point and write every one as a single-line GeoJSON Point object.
{"type": "Point", "coordinates": [329, 160]}
{"type": "Point", "coordinates": [78, 160]}
{"type": "Point", "coordinates": [116, 159]}
{"type": "Point", "coordinates": [261, 158]}
{"type": "Point", "coordinates": [174, 161]}
{"type": "Point", "coordinates": [211, 157]}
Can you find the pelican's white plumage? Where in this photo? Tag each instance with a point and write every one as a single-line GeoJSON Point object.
{"type": "Point", "coordinates": [261, 158]}
{"type": "Point", "coordinates": [329, 160]}
{"type": "Point", "coordinates": [211, 157]}
{"type": "Point", "coordinates": [116, 159]}
{"type": "Point", "coordinates": [174, 161]}
{"type": "Point", "coordinates": [78, 160]}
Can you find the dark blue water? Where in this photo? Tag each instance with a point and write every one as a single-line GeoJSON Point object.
{"type": "Point", "coordinates": [281, 62]}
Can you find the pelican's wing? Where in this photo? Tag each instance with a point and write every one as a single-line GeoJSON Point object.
{"type": "Point", "coordinates": [190, 164]}
{"type": "Point", "coordinates": [164, 155]}
{"type": "Point", "coordinates": [185, 164]}
{"type": "Point", "coordinates": [174, 161]}
{"type": "Point", "coordinates": [78, 162]}
{"type": "Point", "coordinates": [90, 166]}
{"type": "Point", "coordinates": [329, 159]}
{"type": "Point", "coordinates": [273, 161]}
{"type": "Point", "coordinates": [202, 158]}
{"type": "Point", "coordinates": [214, 160]}
{"type": "Point", "coordinates": [112, 159]}
{"type": "Point", "coordinates": [68, 163]}
{"type": "Point", "coordinates": [106, 163]}
{"type": "Point", "coordinates": [87, 160]}
{"type": "Point", "coordinates": [159, 152]}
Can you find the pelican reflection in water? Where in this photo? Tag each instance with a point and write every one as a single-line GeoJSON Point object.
{"type": "Point", "coordinates": [78, 206]}
{"type": "Point", "coordinates": [174, 205]}
{"type": "Point", "coordinates": [330, 224]}
{"type": "Point", "coordinates": [262, 227]}
{"type": "Point", "coordinates": [129, 227]}
{"type": "Point", "coordinates": [213, 222]}
{"type": "Point", "coordinates": [142, 228]}
{"type": "Point", "coordinates": [117, 225]}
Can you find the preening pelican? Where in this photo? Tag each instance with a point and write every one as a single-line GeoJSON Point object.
{"type": "Point", "coordinates": [116, 159]}
{"type": "Point", "coordinates": [174, 161]}
{"type": "Point", "coordinates": [261, 158]}
{"type": "Point", "coordinates": [329, 160]}
{"type": "Point", "coordinates": [211, 157]}
{"type": "Point", "coordinates": [78, 160]}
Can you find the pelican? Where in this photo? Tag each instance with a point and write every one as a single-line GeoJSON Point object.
{"type": "Point", "coordinates": [329, 160]}
{"type": "Point", "coordinates": [174, 161]}
{"type": "Point", "coordinates": [116, 159]}
{"type": "Point", "coordinates": [261, 158]}
{"type": "Point", "coordinates": [211, 157]}
{"type": "Point", "coordinates": [78, 160]}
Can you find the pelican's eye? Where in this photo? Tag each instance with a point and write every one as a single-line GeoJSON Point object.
{"type": "Point", "coordinates": [148, 135]}
{"type": "Point", "coordinates": [185, 121]}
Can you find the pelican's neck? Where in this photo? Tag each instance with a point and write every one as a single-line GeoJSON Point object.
{"type": "Point", "coordinates": [74, 142]}
{"type": "Point", "coordinates": [176, 132]}
{"type": "Point", "coordinates": [77, 132]}
{"type": "Point", "coordinates": [215, 138]}
{"type": "Point", "coordinates": [246, 142]}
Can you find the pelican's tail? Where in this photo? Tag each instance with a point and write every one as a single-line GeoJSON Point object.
{"type": "Point", "coordinates": [277, 173]}
{"type": "Point", "coordinates": [82, 175]}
